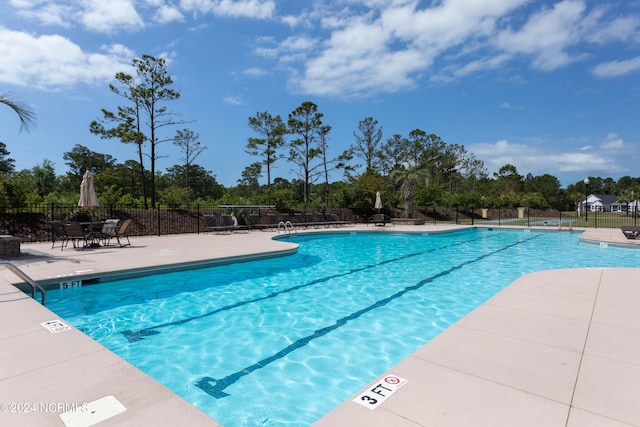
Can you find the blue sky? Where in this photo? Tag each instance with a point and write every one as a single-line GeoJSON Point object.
{"type": "Point", "coordinates": [548, 86]}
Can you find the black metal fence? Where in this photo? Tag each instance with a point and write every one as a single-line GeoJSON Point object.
{"type": "Point", "coordinates": [528, 217]}
{"type": "Point", "coordinates": [31, 223]}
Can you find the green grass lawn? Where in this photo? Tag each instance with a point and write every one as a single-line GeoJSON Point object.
{"type": "Point", "coordinates": [564, 219]}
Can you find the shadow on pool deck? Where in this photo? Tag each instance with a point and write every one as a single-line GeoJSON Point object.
{"type": "Point", "coordinates": [555, 348]}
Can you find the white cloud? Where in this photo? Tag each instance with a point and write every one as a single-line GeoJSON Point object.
{"type": "Point", "coordinates": [297, 44]}
{"type": "Point", "coordinates": [456, 71]}
{"type": "Point", "coordinates": [547, 35]}
{"type": "Point", "coordinates": [581, 162]}
{"type": "Point", "coordinates": [507, 105]}
{"type": "Point", "coordinates": [291, 20]}
{"type": "Point", "coordinates": [199, 27]}
{"type": "Point", "coordinates": [347, 48]}
{"type": "Point", "coordinates": [612, 142]}
{"type": "Point", "coordinates": [447, 24]}
{"type": "Point", "coordinates": [51, 61]}
{"type": "Point", "coordinates": [108, 16]}
{"type": "Point", "coordinates": [257, 9]}
{"type": "Point", "coordinates": [293, 49]}
{"type": "Point", "coordinates": [600, 30]}
{"type": "Point", "coordinates": [234, 100]}
{"type": "Point", "coordinates": [95, 15]}
{"type": "Point", "coordinates": [166, 14]}
{"type": "Point", "coordinates": [385, 46]}
{"type": "Point", "coordinates": [357, 58]}
{"type": "Point", "coordinates": [48, 13]}
{"type": "Point", "coordinates": [540, 159]}
{"type": "Point", "coordinates": [255, 72]}
{"type": "Point", "coordinates": [617, 68]}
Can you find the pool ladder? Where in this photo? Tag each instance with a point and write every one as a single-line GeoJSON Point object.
{"type": "Point", "coordinates": [35, 287]}
{"type": "Point", "coordinates": [287, 227]}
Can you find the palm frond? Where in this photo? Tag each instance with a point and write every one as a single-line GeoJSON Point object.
{"type": "Point", "coordinates": [25, 113]}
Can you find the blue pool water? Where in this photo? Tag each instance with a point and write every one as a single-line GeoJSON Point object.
{"type": "Point", "coordinates": [282, 341]}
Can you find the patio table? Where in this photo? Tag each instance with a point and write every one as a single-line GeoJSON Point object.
{"type": "Point", "coordinates": [94, 228]}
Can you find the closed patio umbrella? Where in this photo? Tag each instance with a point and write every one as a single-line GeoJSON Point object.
{"type": "Point", "coordinates": [378, 204]}
{"type": "Point", "coordinates": [88, 198]}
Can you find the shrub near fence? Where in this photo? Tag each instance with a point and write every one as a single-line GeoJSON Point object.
{"type": "Point", "coordinates": [31, 223]}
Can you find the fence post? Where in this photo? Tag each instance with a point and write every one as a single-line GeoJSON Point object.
{"type": "Point", "coordinates": [158, 211]}
{"type": "Point", "coordinates": [198, 216]}
{"type": "Point", "coordinates": [472, 216]}
{"type": "Point", "coordinates": [53, 237]}
{"type": "Point", "coordinates": [457, 218]}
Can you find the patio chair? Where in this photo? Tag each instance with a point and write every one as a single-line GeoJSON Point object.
{"type": "Point", "coordinates": [273, 221]}
{"type": "Point", "coordinates": [230, 223]}
{"type": "Point", "coordinates": [334, 220]}
{"type": "Point", "coordinates": [379, 219]}
{"type": "Point", "coordinates": [108, 231]}
{"type": "Point", "coordinates": [77, 234]}
{"type": "Point", "coordinates": [308, 219]}
{"type": "Point", "coordinates": [298, 219]}
{"type": "Point", "coordinates": [255, 220]}
{"type": "Point", "coordinates": [58, 234]}
{"type": "Point", "coordinates": [212, 222]}
{"type": "Point", "coordinates": [123, 232]}
{"type": "Point", "coordinates": [322, 220]}
{"type": "Point", "coordinates": [257, 223]}
{"type": "Point", "coordinates": [631, 233]}
{"type": "Point", "coordinates": [227, 223]}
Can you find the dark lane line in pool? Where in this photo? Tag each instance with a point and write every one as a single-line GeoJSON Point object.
{"type": "Point", "coordinates": [216, 387]}
{"type": "Point", "coordinates": [150, 331]}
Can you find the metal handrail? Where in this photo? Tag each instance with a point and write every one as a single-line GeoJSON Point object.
{"type": "Point", "coordinates": [35, 287]}
{"type": "Point", "coordinates": [290, 226]}
{"type": "Point", "coordinates": [287, 227]}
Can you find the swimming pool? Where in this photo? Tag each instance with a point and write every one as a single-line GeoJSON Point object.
{"type": "Point", "coordinates": [288, 339]}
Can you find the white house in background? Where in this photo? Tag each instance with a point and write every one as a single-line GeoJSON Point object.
{"type": "Point", "coordinates": [602, 203]}
{"type": "Point", "coordinates": [634, 206]}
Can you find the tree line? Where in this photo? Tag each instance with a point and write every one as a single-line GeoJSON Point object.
{"type": "Point", "coordinates": [418, 168]}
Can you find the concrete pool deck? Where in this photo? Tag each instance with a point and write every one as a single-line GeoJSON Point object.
{"type": "Point", "coordinates": [555, 348]}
